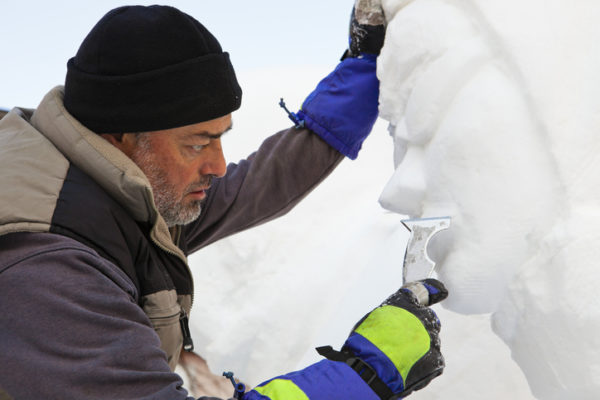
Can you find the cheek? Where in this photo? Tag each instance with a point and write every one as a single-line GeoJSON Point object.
{"type": "Point", "coordinates": [177, 171]}
{"type": "Point", "coordinates": [183, 175]}
{"type": "Point", "coordinates": [489, 166]}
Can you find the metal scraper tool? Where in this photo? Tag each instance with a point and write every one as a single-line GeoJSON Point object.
{"type": "Point", "coordinates": [417, 264]}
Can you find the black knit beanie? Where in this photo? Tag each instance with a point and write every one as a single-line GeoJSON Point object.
{"type": "Point", "coordinates": [149, 68]}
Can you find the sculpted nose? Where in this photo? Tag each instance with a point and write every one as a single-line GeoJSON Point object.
{"type": "Point", "coordinates": [405, 191]}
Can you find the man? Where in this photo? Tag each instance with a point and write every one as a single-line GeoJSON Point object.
{"type": "Point", "coordinates": [116, 177]}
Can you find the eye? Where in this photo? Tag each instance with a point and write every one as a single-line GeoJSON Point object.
{"type": "Point", "coordinates": [198, 147]}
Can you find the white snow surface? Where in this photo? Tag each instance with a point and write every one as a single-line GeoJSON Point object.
{"type": "Point", "coordinates": [493, 110]}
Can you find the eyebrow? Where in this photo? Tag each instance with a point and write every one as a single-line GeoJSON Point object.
{"type": "Point", "coordinates": [211, 135]}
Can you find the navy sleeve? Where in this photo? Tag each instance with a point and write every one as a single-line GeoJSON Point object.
{"type": "Point", "coordinates": [71, 329]}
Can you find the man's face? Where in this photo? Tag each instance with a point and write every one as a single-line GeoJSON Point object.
{"type": "Point", "coordinates": [180, 164]}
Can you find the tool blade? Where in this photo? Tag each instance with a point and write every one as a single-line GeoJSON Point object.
{"type": "Point", "coordinates": [417, 264]}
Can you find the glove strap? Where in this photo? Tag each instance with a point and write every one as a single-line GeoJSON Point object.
{"type": "Point", "coordinates": [364, 370]}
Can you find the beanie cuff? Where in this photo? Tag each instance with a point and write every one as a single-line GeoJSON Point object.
{"type": "Point", "coordinates": [182, 94]}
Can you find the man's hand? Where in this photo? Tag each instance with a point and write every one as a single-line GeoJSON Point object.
{"type": "Point", "coordinates": [367, 28]}
{"type": "Point", "coordinates": [344, 106]}
{"type": "Point", "coordinates": [392, 351]}
{"type": "Point", "coordinates": [396, 347]}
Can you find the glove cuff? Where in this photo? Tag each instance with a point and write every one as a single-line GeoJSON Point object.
{"type": "Point", "coordinates": [324, 380]}
{"type": "Point", "coordinates": [350, 150]}
{"type": "Point", "coordinates": [364, 370]}
{"type": "Point", "coordinates": [344, 106]}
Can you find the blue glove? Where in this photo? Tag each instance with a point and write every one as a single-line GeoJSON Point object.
{"type": "Point", "coordinates": [344, 106]}
{"type": "Point", "coordinates": [399, 341]}
{"type": "Point", "coordinates": [392, 351]}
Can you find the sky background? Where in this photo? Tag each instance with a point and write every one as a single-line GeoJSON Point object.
{"type": "Point", "coordinates": [40, 36]}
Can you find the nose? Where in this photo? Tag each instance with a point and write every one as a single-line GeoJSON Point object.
{"type": "Point", "coordinates": [405, 191]}
{"type": "Point", "coordinates": [215, 163]}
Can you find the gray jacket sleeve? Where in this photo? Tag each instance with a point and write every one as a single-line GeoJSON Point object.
{"type": "Point", "coordinates": [71, 327]}
{"type": "Point", "coordinates": [268, 184]}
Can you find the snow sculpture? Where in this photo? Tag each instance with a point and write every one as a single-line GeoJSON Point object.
{"type": "Point", "coordinates": [494, 111]}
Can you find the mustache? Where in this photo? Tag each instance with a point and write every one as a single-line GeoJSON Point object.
{"type": "Point", "coordinates": [204, 183]}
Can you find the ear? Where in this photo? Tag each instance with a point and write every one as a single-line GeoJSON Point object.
{"type": "Point", "coordinates": [113, 138]}
{"type": "Point", "coordinates": [125, 142]}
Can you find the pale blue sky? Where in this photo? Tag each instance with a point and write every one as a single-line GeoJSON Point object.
{"type": "Point", "coordinates": [40, 36]}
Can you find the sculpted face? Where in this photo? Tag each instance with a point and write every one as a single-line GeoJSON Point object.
{"type": "Point", "coordinates": [180, 164]}
{"type": "Point", "coordinates": [493, 108]}
{"type": "Point", "coordinates": [465, 146]}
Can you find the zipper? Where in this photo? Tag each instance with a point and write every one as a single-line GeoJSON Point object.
{"type": "Point", "coordinates": [188, 343]}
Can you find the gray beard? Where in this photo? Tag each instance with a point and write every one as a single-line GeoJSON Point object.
{"type": "Point", "coordinates": [170, 207]}
{"type": "Point", "coordinates": [173, 211]}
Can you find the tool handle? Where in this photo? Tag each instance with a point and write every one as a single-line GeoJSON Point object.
{"type": "Point", "coordinates": [427, 291]}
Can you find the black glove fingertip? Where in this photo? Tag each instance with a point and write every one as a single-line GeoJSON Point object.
{"type": "Point", "coordinates": [437, 290]}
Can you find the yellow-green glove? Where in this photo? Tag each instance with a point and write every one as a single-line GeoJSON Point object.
{"type": "Point", "coordinates": [396, 347]}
